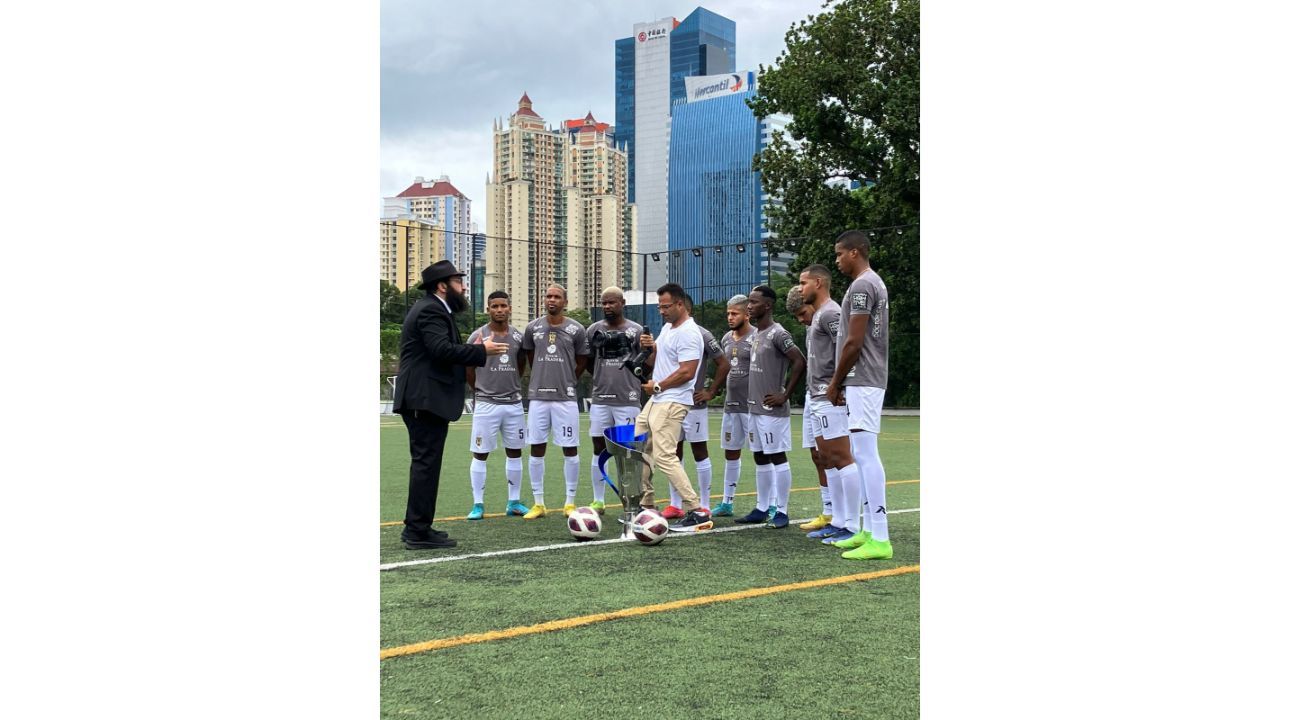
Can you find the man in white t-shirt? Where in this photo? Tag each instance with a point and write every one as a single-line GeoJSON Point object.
{"type": "Point", "coordinates": [678, 351]}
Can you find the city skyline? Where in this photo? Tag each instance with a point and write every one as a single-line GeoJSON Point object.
{"type": "Point", "coordinates": [442, 86]}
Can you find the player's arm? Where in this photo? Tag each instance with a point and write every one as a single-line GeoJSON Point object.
{"type": "Point", "coordinates": [474, 339]}
{"type": "Point", "coordinates": [857, 335]}
{"type": "Point", "coordinates": [721, 367]}
{"type": "Point", "coordinates": [581, 366]}
{"type": "Point", "coordinates": [525, 350]}
{"type": "Point", "coordinates": [797, 365]}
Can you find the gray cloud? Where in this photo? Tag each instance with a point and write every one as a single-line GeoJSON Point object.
{"type": "Point", "coordinates": [448, 69]}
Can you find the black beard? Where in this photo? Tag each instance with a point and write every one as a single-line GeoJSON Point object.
{"type": "Point", "coordinates": [610, 318]}
{"type": "Point", "coordinates": [456, 301]}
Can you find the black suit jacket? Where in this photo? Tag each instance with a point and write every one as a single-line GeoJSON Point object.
{"type": "Point", "coordinates": [431, 368]}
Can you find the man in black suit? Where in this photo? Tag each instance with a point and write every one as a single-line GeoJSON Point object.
{"type": "Point", "coordinates": [430, 392]}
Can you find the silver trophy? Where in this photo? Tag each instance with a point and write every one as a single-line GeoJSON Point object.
{"type": "Point", "coordinates": [627, 448]}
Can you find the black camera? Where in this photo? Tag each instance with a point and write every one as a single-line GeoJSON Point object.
{"type": "Point", "coordinates": [636, 364]}
{"type": "Point", "coordinates": [611, 344]}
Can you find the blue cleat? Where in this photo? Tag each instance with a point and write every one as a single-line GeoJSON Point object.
{"type": "Point", "coordinates": [476, 513]}
{"type": "Point", "coordinates": [722, 510]}
{"type": "Point", "coordinates": [825, 532]}
{"type": "Point", "coordinates": [755, 516]}
{"type": "Point", "coordinates": [778, 521]}
{"type": "Point", "coordinates": [843, 534]}
{"type": "Point", "coordinates": [516, 508]}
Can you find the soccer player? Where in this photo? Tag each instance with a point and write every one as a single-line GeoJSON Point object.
{"type": "Point", "coordinates": [861, 369]}
{"type": "Point", "coordinates": [498, 409]}
{"type": "Point", "coordinates": [556, 347]}
{"type": "Point", "coordinates": [829, 423]}
{"type": "Point", "coordinates": [695, 429]}
{"type": "Point", "coordinates": [804, 313]}
{"type": "Point", "coordinates": [773, 353]}
{"type": "Point", "coordinates": [735, 410]}
{"type": "Point", "coordinates": [615, 392]}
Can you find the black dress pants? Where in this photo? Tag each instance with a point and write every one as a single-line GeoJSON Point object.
{"type": "Point", "coordinates": [428, 434]}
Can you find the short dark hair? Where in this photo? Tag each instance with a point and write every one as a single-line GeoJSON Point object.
{"type": "Point", "coordinates": [766, 292]}
{"type": "Point", "coordinates": [820, 271]}
{"type": "Point", "coordinates": [673, 290]}
{"type": "Point", "coordinates": [498, 294]}
{"type": "Point", "coordinates": [855, 240]}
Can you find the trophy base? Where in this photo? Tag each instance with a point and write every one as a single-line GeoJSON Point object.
{"type": "Point", "coordinates": [627, 520]}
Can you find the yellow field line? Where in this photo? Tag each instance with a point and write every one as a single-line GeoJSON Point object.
{"type": "Point", "coordinates": [569, 623]}
{"type": "Point", "coordinates": [393, 523]}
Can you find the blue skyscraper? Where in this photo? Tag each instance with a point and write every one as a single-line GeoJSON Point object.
{"type": "Point", "coordinates": [650, 69]}
{"type": "Point", "coordinates": [714, 195]}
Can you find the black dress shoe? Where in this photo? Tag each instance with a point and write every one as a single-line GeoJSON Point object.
{"type": "Point", "coordinates": [428, 542]}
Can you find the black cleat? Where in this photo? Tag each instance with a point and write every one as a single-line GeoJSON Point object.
{"type": "Point", "coordinates": [755, 516]}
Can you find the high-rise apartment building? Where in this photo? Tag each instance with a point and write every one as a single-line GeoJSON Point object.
{"type": "Point", "coordinates": [649, 71]}
{"type": "Point", "coordinates": [407, 246]}
{"type": "Point", "coordinates": [557, 211]}
{"type": "Point", "coordinates": [715, 197]}
{"type": "Point", "coordinates": [442, 205]}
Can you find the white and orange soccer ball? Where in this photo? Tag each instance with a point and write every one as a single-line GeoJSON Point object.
{"type": "Point", "coordinates": [584, 524]}
{"type": "Point", "coordinates": [649, 527]}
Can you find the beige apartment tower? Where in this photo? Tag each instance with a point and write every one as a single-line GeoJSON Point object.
{"type": "Point", "coordinates": [406, 247]}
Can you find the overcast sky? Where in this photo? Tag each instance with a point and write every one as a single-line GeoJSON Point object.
{"type": "Point", "coordinates": [447, 69]}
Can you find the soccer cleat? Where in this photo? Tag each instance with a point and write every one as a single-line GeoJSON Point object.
{"type": "Point", "coordinates": [843, 534]}
{"type": "Point", "coordinates": [825, 532]}
{"type": "Point", "coordinates": [722, 510]}
{"type": "Point", "coordinates": [516, 508]}
{"type": "Point", "coordinates": [569, 508]}
{"type": "Point", "coordinates": [871, 550]}
{"type": "Point", "coordinates": [816, 523]}
{"type": "Point", "coordinates": [857, 540]}
{"type": "Point", "coordinates": [599, 507]}
{"type": "Point", "coordinates": [754, 516]}
{"type": "Point", "coordinates": [695, 521]}
{"type": "Point", "coordinates": [672, 512]}
{"type": "Point", "coordinates": [539, 510]}
{"type": "Point", "coordinates": [779, 520]}
{"type": "Point", "coordinates": [476, 513]}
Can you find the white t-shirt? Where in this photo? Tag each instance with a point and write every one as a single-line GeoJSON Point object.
{"type": "Point", "coordinates": [674, 346]}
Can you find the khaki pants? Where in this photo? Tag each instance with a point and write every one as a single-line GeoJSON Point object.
{"type": "Point", "coordinates": [663, 421]}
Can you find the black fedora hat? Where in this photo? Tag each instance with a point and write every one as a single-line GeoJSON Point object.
{"type": "Point", "coordinates": [438, 272]}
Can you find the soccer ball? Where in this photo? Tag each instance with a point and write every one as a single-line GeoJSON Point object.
{"type": "Point", "coordinates": [584, 524]}
{"type": "Point", "coordinates": [649, 527]}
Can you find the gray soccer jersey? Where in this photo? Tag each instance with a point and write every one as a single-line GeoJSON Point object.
{"type": "Point", "coordinates": [737, 352]}
{"type": "Point", "coordinates": [822, 334]}
{"type": "Point", "coordinates": [555, 356]}
{"type": "Point", "coordinates": [498, 381]}
{"type": "Point", "coordinates": [867, 296]}
{"type": "Point", "coordinates": [712, 351]}
{"type": "Point", "coordinates": [767, 367]}
{"type": "Point", "coordinates": [611, 383]}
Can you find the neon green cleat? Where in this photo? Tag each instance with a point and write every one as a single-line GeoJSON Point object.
{"type": "Point", "coordinates": [599, 507]}
{"type": "Point", "coordinates": [569, 508]}
{"type": "Point", "coordinates": [539, 510]}
{"type": "Point", "coordinates": [858, 540]}
{"type": "Point", "coordinates": [816, 523]}
{"type": "Point", "coordinates": [475, 513]}
{"type": "Point", "coordinates": [871, 550]}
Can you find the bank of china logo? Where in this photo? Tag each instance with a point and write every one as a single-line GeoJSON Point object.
{"type": "Point", "coordinates": [640, 37]}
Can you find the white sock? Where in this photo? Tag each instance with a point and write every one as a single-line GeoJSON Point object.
{"type": "Point", "coordinates": [571, 467]}
{"type": "Point", "coordinates": [704, 474]}
{"type": "Point", "coordinates": [537, 478]}
{"type": "Point", "coordinates": [826, 494]}
{"type": "Point", "coordinates": [873, 478]}
{"type": "Point", "coordinates": [597, 482]}
{"type": "Point", "coordinates": [836, 492]}
{"type": "Point", "coordinates": [851, 486]}
{"type": "Point", "coordinates": [674, 498]}
{"type": "Point", "coordinates": [763, 479]}
{"type": "Point", "coordinates": [783, 480]}
{"type": "Point", "coordinates": [730, 479]}
{"type": "Point", "coordinates": [514, 476]}
{"type": "Point", "coordinates": [478, 478]}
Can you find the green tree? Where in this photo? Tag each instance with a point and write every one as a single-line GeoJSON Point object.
{"type": "Point", "coordinates": [849, 78]}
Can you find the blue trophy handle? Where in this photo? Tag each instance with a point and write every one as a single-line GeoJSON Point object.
{"type": "Point", "coordinates": [600, 463]}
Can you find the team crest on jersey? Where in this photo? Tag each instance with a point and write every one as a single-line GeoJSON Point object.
{"type": "Point", "coordinates": [478, 441]}
{"type": "Point", "coordinates": [550, 338]}
{"type": "Point", "coordinates": [728, 437]}
{"type": "Point", "coordinates": [858, 301]}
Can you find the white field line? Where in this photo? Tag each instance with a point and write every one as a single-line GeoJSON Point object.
{"type": "Point", "coordinates": [592, 543]}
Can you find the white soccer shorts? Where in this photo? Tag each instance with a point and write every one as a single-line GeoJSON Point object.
{"type": "Point", "coordinates": [491, 420]}
{"type": "Point", "coordinates": [809, 424]}
{"type": "Point", "coordinates": [827, 421]}
{"type": "Point", "coordinates": [735, 431]}
{"type": "Point", "coordinates": [558, 418]}
{"type": "Point", "coordinates": [604, 417]}
{"type": "Point", "coordinates": [695, 428]}
{"type": "Point", "coordinates": [864, 405]}
{"type": "Point", "coordinates": [769, 434]}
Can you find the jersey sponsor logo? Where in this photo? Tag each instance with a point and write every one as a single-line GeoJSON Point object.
{"type": "Point", "coordinates": [787, 343]}
{"type": "Point", "coordinates": [569, 391]}
{"type": "Point", "coordinates": [570, 329]}
{"type": "Point", "coordinates": [631, 395]}
{"type": "Point", "coordinates": [834, 326]}
{"type": "Point", "coordinates": [505, 359]}
{"type": "Point", "coordinates": [858, 301]}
